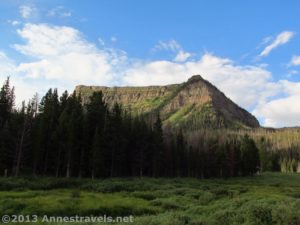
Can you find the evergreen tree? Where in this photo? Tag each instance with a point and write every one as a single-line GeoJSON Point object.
{"type": "Point", "coordinates": [7, 145]}
{"type": "Point", "coordinates": [181, 161]}
{"type": "Point", "coordinates": [7, 101]}
{"type": "Point", "coordinates": [24, 124]}
{"type": "Point", "coordinates": [96, 113]}
{"type": "Point", "coordinates": [249, 156]}
{"type": "Point", "coordinates": [46, 148]}
{"type": "Point", "coordinates": [114, 131]}
{"type": "Point", "coordinates": [158, 148]}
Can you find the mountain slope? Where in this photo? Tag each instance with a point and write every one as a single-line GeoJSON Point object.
{"type": "Point", "coordinates": [191, 105]}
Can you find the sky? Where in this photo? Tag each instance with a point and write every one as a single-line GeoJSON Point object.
{"type": "Point", "coordinates": [250, 50]}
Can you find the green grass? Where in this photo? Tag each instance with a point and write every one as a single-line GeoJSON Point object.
{"type": "Point", "coordinates": [270, 198]}
{"type": "Point", "coordinates": [181, 115]}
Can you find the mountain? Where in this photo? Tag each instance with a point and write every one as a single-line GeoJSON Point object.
{"type": "Point", "coordinates": [190, 105]}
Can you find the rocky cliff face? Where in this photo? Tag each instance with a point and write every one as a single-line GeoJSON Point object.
{"type": "Point", "coordinates": [191, 105]}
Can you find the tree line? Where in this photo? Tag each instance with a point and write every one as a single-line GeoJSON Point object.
{"type": "Point", "coordinates": [59, 136]}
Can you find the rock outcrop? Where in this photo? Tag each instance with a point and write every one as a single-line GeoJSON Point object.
{"type": "Point", "coordinates": [191, 105]}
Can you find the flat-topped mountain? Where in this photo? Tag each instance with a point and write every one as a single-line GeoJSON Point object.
{"type": "Point", "coordinates": [190, 105]}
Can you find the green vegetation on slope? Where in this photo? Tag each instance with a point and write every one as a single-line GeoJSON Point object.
{"type": "Point", "coordinates": [192, 117]}
{"type": "Point", "coordinates": [270, 198]}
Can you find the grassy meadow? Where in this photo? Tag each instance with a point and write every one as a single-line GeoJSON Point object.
{"type": "Point", "coordinates": [269, 198]}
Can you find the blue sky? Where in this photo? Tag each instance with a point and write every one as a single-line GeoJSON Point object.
{"type": "Point", "coordinates": [249, 49]}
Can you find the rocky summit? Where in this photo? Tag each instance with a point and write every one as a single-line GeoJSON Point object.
{"type": "Point", "coordinates": [191, 105]}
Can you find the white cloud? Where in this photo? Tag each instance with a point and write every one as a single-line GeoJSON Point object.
{"type": "Point", "coordinates": [59, 11]}
{"type": "Point", "coordinates": [295, 61]}
{"type": "Point", "coordinates": [266, 40]}
{"type": "Point", "coordinates": [43, 40]}
{"type": "Point", "coordinates": [101, 41]}
{"type": "Point", "coordinates": [281, 39]}
{"type": "Point", "coordinates": [281, 112]}
{"type": "Point", "coordinates": [113, 39]}
{"type": "Point", "coordinates": [171, 45]}
{"type": "Point", "coordinates": [14, 22]}
{"type": "Point", "coordinates": [63, 54]}
{"type": "Point", "coordinates": [26, 11]}
{"type": "Point", "coordinates": [62, 58]}
{"type": "Point", "coordinates": [290, 73]}
{"type": "Point", "coordinates": [8, 68]}
{"type": "Point", "coordinates": [182, 56]}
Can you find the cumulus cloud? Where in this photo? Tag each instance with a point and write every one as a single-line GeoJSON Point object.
{"type": "Point", "coordinates": [295, 61]}
{"type": "Point", "coordinates": [62, 58]}
{"type": "Point", "coordinates": [62, 53]}
{"type": "Point", "coordinates": [43, 40]}
{"type": "Point", "coordinates": [281, 39]}
{"type": "Point", "coordinates": [280, 112]}
{"type": "Point", "coordinates": [26, 11]}
{"type": "Point", "coordinates": [283, 110]}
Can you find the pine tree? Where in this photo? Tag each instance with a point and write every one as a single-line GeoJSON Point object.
{"type": "Point", "coordinates": [249, 156]}
{"type": "Point", "coordinates": [7, 101]}
{"type": "Point", "coordinates": [7, 145]}
{"type": "Point", "coordinates": [181, 162]}
{"type": "Point", "coordinates": [46, 147]}
{"type": "Point", "coordinates": [74, 143]}
{"type": "Point", "coordinates": [25, 120]}
{"type": "Point", "coordinates": [114, 135]}
{"type": "Point", "coordinates": [96, 113]}
{"type": "Point", "coordinates": [158, 156]}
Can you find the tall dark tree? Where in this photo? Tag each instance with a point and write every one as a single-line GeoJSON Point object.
{"type": "Point", "coordinates": [75, 129]}
{"type": "Point", "coordinates": [25, 120]}
{"type": "Point", "coordinates": [141, 148]}
{"type": "Point", "coordinates": [7, 101]}
{"type": "Point", "coordinates": [114, 131]}
{"type": "Point", "coordinates": [181, 153]}
{"type": "Point", "coordinates": [7, 145]}
{"type": "Point", "coordinates": [158, 148]}
{"type": "Point", "coordinates": [46, 148]}
{"type": "Point", "coordinates": [96, 113]}
{"type": "Point", "coordinates": [249, 156]}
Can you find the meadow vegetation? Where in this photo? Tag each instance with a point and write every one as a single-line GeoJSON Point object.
{"type": "Point", "coordinates": [269, 198]}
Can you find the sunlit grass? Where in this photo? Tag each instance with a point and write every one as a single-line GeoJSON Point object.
{"type": "Point", "coordinates": [270, 198]}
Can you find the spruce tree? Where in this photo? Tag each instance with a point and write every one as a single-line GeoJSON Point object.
{"type": "Point", "coordinates": [249, 156]}
{"type": "Point", "coordinates": [7, 145]}
{"type": "Point", "coordinates": [158, 156]}
{"type": "Point", "coordinates": [96, 113]}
